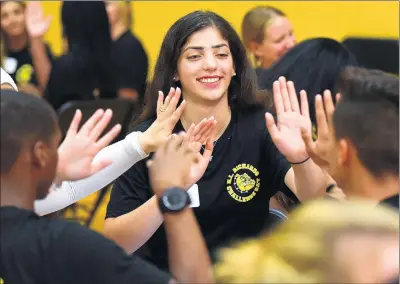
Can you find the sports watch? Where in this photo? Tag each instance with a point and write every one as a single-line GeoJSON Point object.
{"type": "Point", "coordinates": [173, 200]}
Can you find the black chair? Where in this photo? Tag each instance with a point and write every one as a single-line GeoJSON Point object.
{"type": "Point", "coordinates": [123, 111]}
{"type": "Point", "coordinates": [375, 53]}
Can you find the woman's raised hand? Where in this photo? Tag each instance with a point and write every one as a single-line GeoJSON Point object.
{"type": "Point", "coordinates": [168, 115]}
{"type": "Point", "coordinates": [291, 118]}
{"type": "Point", "coordinates": [36, 24]}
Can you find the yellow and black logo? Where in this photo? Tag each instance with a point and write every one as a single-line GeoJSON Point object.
{"type": "Point", "coordinates": [244, 183]}
{"type": "Point", "coordinates": [24, 74]}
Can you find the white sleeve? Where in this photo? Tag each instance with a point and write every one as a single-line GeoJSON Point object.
{"type": "Point", "coordinates": [124, 155]}
{"type": "Point", "coordinates": [6, 79]}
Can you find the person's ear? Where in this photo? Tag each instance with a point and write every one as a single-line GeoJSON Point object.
{"type": "Point", "coordinates": [338, 97]}
{"type": "Point", "coordinates": [343, 153]}
{"type": "Point", "coordinates": [233, 70]}
{"type": "Point", "coordinates": [40, 156]}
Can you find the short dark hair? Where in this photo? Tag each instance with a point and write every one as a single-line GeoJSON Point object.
{"type": "Point", "coordinates": [23, 117]}
{"type": "Point", "coordinates": [313, 65]}
{"type": "Point", "coordinates": [368, 115]}
{"type": "Point", "coordinates": [242, 91]}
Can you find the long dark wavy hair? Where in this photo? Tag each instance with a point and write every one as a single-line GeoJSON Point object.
{"type": "Point", "coordinates": [242, 92]}
{"type": "Point", "coordinates": [86, 28]}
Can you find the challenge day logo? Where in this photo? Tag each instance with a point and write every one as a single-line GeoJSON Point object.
{"type": "Point", "coordinates": [244, 183]}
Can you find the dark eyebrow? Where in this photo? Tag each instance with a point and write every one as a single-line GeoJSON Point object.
{"type": "Point", "coordinates": [202, 48]}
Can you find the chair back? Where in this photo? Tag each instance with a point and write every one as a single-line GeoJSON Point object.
{"type": "Point", "coordinates": [375, 53]}
{"type": "Point", "coordinates": [123, 111]}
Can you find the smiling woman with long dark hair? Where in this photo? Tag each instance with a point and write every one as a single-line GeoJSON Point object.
{"type": "Point", "coordinates": [243, 165]}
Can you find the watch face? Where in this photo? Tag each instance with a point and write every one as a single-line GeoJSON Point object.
{"type": "Point", "coordinates": [174, 200]}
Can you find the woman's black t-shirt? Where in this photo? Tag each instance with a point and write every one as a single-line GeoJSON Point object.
{"type": "Point", "coordinates": [131, 63]}
{"type": "Point", "coordinates": [245, 172]}
{"type": "Point", "coordinates": [19, 64]}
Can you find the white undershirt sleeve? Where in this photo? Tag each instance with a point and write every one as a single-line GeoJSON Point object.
{"type": "Point", "coordinates": [6, 79]}
{"type": "Point", "coordinates": [124, 155]}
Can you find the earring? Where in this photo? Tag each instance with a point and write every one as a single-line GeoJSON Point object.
{"type": "Point", "coordinates": [175, 78]}
{"type": "Point", "coordinates": [234, 74]}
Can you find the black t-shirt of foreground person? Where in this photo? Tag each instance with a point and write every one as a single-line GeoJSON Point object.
{"type": "Point", "coordinates": [42, 250]}
{"type": "Point", "coordinates": [252, 158]}
{"type": "Point", "coordinates": [246, 170]}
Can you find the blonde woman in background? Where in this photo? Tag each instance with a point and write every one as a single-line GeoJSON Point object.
{"type": "Point", "coordinates": [24, 55]}
{"type": "Point", "coordinates": [267, 34]}
{"type": "Point", "coordinates": [323, 242]}
{"type": "Point", "coordinates": [130, 58]}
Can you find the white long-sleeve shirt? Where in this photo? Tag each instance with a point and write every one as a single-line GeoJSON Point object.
{"type": "Point", "coordinates": [6, 79]}
{"type": "Point", "coordinates": [124, 154]}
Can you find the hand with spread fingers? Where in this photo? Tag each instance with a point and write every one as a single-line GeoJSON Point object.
{"type": "Point", "coordinates": [36, 24]}
{"type": "Point", "coordinates": [76, 153]}
{"type": "Point", "coordinates": [167, 116]}
{"type": "Point", "coordinates": [198, 169]}
{"type": "Point", "coordinates": [171, 164]}
{"type": "Point", "coordinates": [321, 149]}
{"type": "Point", "coordinates": [198, 135]}
{"type": "Point", "coordinates": [286, 133]}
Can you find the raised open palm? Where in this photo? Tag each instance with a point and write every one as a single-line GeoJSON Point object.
{"type": "Point", "coordinates": [78, 149]}
{"type": "Point", "coordinates": [198, 169]}
{"type": "Point", "coordinates": [321, 149]}
{"type": "Point", "coordinates": [167, 116]}
{"type": "Point", "coordinates": [286, 133]}
{"type": "Point", "coordinates": [180, 173]}
{"type": "Point", "coordinates": [36, 24]}
{"type": "Point", "coordinates": [169, 166]}
{"type": "Point", "coordinates": [194, 139]}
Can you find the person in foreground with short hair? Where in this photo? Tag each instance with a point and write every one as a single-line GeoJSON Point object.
{"type": "Point", "coordinates": [87, 169]}
{"type": "Point", "coordinates": [358, 142]}
{"type": "Point", "coordinates": [86, 166]}
{"type": "Point", "coordinates": [40, 250]}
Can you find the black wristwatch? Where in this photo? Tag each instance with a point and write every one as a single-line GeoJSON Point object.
{"type": "Point", "coordinates": [173, 200]}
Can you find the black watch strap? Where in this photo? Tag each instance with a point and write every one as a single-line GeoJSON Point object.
{"type": "Point", "coordinates": [173, 200]}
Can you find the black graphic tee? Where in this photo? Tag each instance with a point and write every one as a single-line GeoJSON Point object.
{"type": "Point", "coordinates": [19, 65]}
{"type": "Point", "coordinates": [245, 172]}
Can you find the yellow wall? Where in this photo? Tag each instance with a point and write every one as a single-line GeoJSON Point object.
{"type": "Point", "coordinates": [310, 18]}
